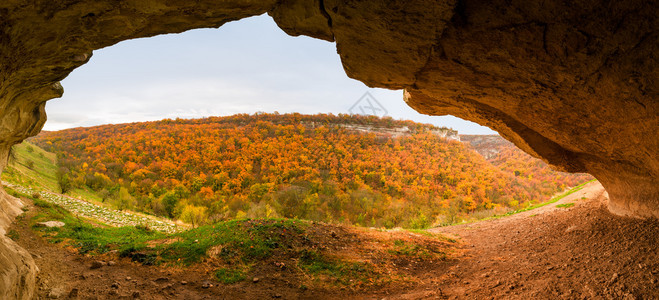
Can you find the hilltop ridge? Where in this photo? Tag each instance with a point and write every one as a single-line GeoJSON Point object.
{"type": "Point", "coordinates": [489, 146]}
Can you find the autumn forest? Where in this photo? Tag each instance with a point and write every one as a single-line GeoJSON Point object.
{"type": "Point", "coordinates": [359, 170]}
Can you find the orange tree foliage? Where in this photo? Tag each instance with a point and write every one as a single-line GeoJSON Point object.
{"type": "Point", "coordinates": [317, 167]}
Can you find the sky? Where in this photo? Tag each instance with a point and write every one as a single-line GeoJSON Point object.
{"type": "Point", "coordinates": [246, 66]}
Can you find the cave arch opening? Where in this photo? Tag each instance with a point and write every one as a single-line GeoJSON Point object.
{"type": "Point", "coordinates": [219, 72]}
{"type": "Point", "coordinates": [246, 66]}
{"type": "Point", "coordinates": [586, 128]}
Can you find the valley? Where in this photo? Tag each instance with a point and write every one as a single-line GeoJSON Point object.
{"type": "Point", "coordinates": [344, 169]}
{"type": "Point", "coordinates": [108, 251]}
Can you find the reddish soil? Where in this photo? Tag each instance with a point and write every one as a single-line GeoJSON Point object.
{"type": "Point", "coordinates": [580, 252]}
{"type": "Point", "coordinates": [67, 274]}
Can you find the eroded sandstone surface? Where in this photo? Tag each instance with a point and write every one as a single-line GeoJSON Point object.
{"type": "Point", "coordinates": [570, 82]}
{"type": "Point", "coordinates": [17, 268]}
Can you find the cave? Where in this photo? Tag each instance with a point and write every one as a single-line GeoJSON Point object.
{"type": "Point", "coordinates": [570, 83]}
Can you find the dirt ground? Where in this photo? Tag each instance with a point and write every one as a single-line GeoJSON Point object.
{"type": "Point", "coordinates": [65, 274]}
{"type": "Point", "coordinates": [579, 252]}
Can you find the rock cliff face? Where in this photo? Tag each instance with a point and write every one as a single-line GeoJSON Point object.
{"type": "Point", "coordinates": [446, 133]}
{"type": "Point", "coordinates": [489, 146]}
{"type": "Point", "coordinates": [17, 268]}
{"type": "Point", "coordinates": [570, 82]}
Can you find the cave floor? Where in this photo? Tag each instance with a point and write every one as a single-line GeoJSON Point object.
{"type": "Point", "coordinates": [556, 252]}
{"type": "Point", "coordinates": [575, 252]}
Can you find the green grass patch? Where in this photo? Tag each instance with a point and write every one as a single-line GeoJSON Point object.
{"type": "Point", "coordinates": [432, 235]}
{"type": "Point", "coordinates": [13, 234]}
{"type": "Point", "coordinates": [236, 247]}
{"type": "Point", "coordinates": [410, 249]}
{"type": "Point", "coordinates": [32, 166]}
{"type": "Point", "coordinates": [89, 238]}
{"type": "Point", "coordinates": [240, 245]}
{"type": "Point", "coordinates": [229, 276]}
{"type": "Point", "coordinates": [340, 271]}
{"type": "Point", "coordinates": [37, 168]}
{"type": "Point", "coordinates": [242, 241]}
{"type": "Point", "coordinates": [86, 236]}
{"type": "Point", "coordinates": [41, 203]}
{"type": "Point", "coordinates": [565, 205]}
{"type": "Point", "coordinates": [87, 194]}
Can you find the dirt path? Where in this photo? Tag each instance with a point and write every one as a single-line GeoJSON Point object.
{"type": "Point", "coordinates": [580, 252]}
{"type": "Point", "coordinates": [592, 190]}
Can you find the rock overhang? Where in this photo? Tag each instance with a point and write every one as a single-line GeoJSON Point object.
{"type": "Point", "coordinates": [571, 83]}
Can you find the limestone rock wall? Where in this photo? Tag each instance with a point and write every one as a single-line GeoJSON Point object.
{"type": "Point", "coordinates": [17, 268]}
{"type": "Point", "coordinates": [571, 82]}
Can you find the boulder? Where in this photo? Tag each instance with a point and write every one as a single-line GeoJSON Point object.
{"type": "Point", "coordinates": [52, 224]}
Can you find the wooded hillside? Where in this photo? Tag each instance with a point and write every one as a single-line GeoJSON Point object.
{"type": "Point", "coordinates": [298, 166]}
